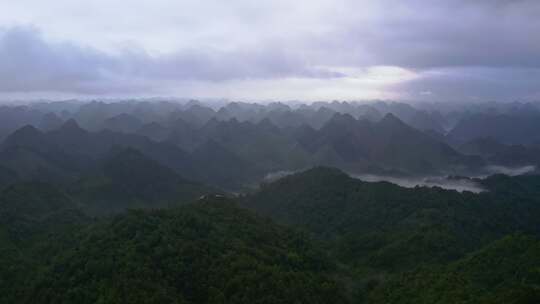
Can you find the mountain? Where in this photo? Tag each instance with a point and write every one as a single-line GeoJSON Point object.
{"type": "Point", "coordinates": [229, 155]}
{"type": "Point", "coordinates": [262, 144]}
{"type": "Point", "coordinates": [418, 119]}
{"type": "Point", "coordinates": [381, 233]}
{"type": "Point", "coordinates": [387, 227]}
{"type": "Point", "coordinates": [195, 115]}
{"type": "Point", "coordinates": [269, 138]}
{"type": "Point", "coordinates": [128, 179]}
{"type": "Point", "coordinates": [32, 156]}
{"type": "Point", "coordinates": [207, 252]}
{"type": "Point", "coordinates": [25, 136]}
{"type": "Point", "coordinates": [15, 117]}
{"type": "Point", "coordinates": [501, 154]}
{"type": "Point", "coordinates": [184, 134]}
{"type": "Point", "coordinates": [70, 151]}
{"type": "Point", "coordinates": [32, 216]}
{"type": "Point", "coordinates": [123, 123]}
{"type": "Point", "coordinates": [506, 271]}
{"type": "Point", "coordinates": [50, 121]}
{"type": "Point", "coordinates": [388, 144]}
{"type": "Point", "coordinates": [482, 146]}
{"type": "Point", "coordinates": [32, 201]}
{"type": "Point", "coordinates": [241, 111]}
{"type": "Point", "coordinates": [505, 128]}
{"type": "Point", "coordinates": [7, 176]}
{"type": "Point", "coordinates": [225, 168]}
{"type": "Point", "coordinates": [154, 131]}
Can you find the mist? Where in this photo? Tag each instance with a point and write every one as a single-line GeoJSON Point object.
{"type": "Point", "coordinates": [511, 171]}
{"type": "Point", "coordinates": [460, 185]}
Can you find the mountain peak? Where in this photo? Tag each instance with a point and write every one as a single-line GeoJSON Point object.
{"type": "Point", "coordinates": [70, 129]}
{"type": "Point", "coordinates": [343, 117]}
{"type": "Point", "coordinates": [391, 120]}
{"type": "Point", "coordinates": [22, 136]}
{"type": "Point", "coordinates": [267, 124]}
{"type": "Point", "coordinates": [71, 124]}
{"type": "Point", "coordinates": [339, 119]}
{"type": "Point", "coordinates": [27, 130]}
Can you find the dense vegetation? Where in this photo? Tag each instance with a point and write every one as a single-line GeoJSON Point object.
{"type": "Point", "coordinates": [507, 271]}
{"type": "Point", "coordinates": [128, 179]}
{"type": "Point", "coordinates": [380, 231]}
{"type": "Point", "coordinates": [211, 252]}
{"type": "Point", "coordinates": [362, 243]}
{"type": "Point", "coordinates": [207, 252]}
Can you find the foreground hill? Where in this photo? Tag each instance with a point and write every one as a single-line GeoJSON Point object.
{"type": "Point", "coordinates": [380, 232]}
{"type": "Point", "coordinates": [361, 242]}
{"type": "Point", "coordinates": [208, 252]}
{"type": "Point", "coordinates": [504, 272]}
{"type": "Point", "coordinates": [32, 216]}
{"type": "Point", "coordinates": [390, 228]}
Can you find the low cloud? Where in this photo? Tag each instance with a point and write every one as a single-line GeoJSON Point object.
{"type": "Point", "coordinates": [511, 171]}
{"type": "Point", "coordinates": [458, 184]}
{"type": "Point", "coordinates": [434, 181]}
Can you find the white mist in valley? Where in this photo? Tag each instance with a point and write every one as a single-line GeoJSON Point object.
{"type": "Point", "coordinates": [460, 184]}
{"type": "Point", "coordinates": [511, 171]}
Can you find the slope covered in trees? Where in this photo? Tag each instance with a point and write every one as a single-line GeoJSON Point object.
{"type": "Point", "coordinates": [129, 179]}
{"type": "Point", "coordinates": [380, 231]}
{"type": "Point", "coordinates": [360, 242]}
{"type": "Point", "coordinates": [505, 272]}
{"type": "Point", "coordinates": [207, 252]}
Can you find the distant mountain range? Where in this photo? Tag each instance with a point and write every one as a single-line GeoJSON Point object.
{"type": "Point", "coordinates": [236, 145]}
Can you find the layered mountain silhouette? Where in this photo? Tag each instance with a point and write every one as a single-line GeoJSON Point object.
{"type": "Point", "coordinates": [128, 179]}
{"type": "Point", "coordinates": [388, 143]}
{"type": "Point", "coordinates": [233, 154]}
{"type": "Point", "coordinates": [505, 128]}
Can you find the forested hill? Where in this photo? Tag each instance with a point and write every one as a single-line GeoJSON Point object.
{"type": "Point", "coordinates": [327, 202]}
{"type": "Point", "coordinates": [320, 236]}
{"type": "Point", "coordinates": [206, 252]}
{"type": "Point", "coordinates": [381, 231]}
{"type": "Point", "coordinates": [505, 272]}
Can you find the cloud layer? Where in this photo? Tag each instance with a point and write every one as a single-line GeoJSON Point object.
{"type": "Point", "coordinates": [321, 49]}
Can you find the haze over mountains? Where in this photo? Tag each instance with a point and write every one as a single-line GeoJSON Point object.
{"type": "Point", "coordinates": [236, 145]}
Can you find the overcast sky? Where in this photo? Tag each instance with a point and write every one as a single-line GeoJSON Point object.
{"type": "Point", "coordinates": [441, 50]}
